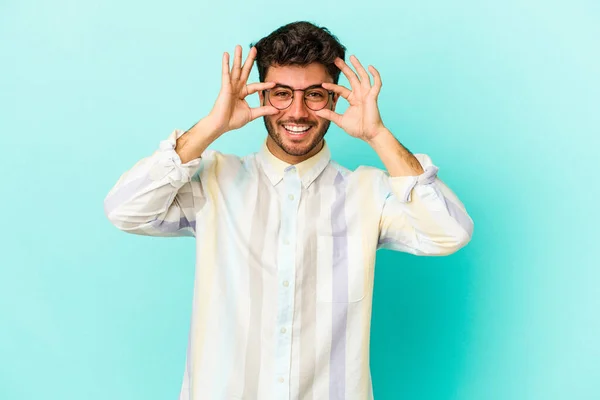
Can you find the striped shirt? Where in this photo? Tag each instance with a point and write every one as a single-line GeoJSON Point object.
{"type": "Point", "coordinates": [285, 261]}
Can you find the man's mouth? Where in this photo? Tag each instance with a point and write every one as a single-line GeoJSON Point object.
{"type": "Point", "coordinates": [297, 131]}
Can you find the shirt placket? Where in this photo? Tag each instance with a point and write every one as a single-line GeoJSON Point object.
{"type": "Point", "coordinates": [286, 273]}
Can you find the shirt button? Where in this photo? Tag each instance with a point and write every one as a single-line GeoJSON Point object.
{"type": "Point", "coordinates": [283, 330]}
{"type": "Point", "coordinates": [280, 380]}
{"type": "Point", "coordinates": [286, 283]}
{"type": "Point", "coordinates": [285, 241]}
{"type": "Point", "coordinates": [291, 197]}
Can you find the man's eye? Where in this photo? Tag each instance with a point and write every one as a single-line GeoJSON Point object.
{"type": "Point", "coordinates": [281, 94]}
{"type": "Point", "coordinates": [316, 95]}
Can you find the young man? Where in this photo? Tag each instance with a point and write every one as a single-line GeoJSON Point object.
{"type": "Point", "coordinates": [286, 237]}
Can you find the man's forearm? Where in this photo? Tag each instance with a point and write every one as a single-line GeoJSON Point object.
{"type": "Point", "coordinates": [192, 143]}
{"type": "Point", "coordinates": [398, 160]}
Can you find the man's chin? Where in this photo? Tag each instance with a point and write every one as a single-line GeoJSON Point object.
{"type": "Point", "coordinates": [297, 151]}
{"type": "Point", "coordinates": [296, 146]}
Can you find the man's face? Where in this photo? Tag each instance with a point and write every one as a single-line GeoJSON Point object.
{"type": "Point", "coordinates": [284, 144]}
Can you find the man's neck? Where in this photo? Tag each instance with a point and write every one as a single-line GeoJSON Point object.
{"type": "Point", "coordinates": [289, 158]}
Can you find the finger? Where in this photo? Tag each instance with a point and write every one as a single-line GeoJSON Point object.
{"type": "Point", "coordinates": [237, 64]}
{"type": "Point", "coordinates": [248, 64]}
{"type": "Point", "coordinates": [262, 111]}
{"type": "Point", "coordinates": [377, 78]}
{"type": "Point", "coordinates": [350, 75]}
{"type": "Point", "coordinates": [257, 87]}
{"type": "Point", "coordinates": [339, 89]}
{"type": "Point", "coordinates": [330, 115]}
{"type": "Point", "coordinates": [365, 80]}
{"type": "Point", "coordinates": [225, 78]}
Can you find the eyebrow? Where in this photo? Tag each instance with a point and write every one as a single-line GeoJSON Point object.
{"type": "Point", "coordinates": [277, 84]}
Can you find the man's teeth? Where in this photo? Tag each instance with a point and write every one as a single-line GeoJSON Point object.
{"type": "Point", "coordinates": [299, 128]}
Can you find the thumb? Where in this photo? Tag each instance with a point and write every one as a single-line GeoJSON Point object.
{"type": "Point", "coordinates": [262, 111]}
{"type": "Point", "coordinates": [330, 115]}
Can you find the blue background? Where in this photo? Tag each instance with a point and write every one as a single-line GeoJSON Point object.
{"type": "Point", "coordinates": [504, 97]}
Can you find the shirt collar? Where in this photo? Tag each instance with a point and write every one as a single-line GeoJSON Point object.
{"type": "Point", "coordinates": [308, 170]}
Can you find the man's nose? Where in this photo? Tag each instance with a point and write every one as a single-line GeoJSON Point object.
{"type": "Point", "coordinates": [298, 109]}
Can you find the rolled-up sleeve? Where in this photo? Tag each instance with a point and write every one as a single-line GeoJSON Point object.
{"type": "Point", "coordinates": [421, 215]}
{"type": "Point", "coordinates": [157, 196]}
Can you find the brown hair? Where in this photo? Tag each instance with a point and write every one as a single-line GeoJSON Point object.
{"type": "Point", "coordinates": [299, 43]}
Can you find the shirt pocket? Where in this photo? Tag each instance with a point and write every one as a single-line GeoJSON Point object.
{"type": "Point", "coordinates": [341, 273]}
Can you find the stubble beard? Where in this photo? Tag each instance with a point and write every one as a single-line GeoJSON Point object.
{"type": "Point", "coordinates": [274, 133]}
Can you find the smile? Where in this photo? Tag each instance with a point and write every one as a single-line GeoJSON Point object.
{"type": "Point", "coordinates": [297, 129]}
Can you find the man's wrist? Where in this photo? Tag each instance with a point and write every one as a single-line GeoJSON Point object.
{"type": "Point", "coordinates": [380, 138]}
{"type": "Point", "coordinates": [192, 143]}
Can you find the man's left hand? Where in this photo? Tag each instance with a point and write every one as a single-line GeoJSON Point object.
{"type": "Point", "coordinates": [361, 119]}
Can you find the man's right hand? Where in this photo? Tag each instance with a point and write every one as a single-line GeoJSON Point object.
{"type": "Point", "coordinates": [231, 111]}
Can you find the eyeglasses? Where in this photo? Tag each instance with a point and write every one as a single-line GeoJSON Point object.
{"type": "Point", "coordinates": [315, 97]}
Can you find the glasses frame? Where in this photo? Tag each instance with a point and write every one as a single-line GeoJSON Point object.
{"type": "Point", "coordinates": [329, 97]}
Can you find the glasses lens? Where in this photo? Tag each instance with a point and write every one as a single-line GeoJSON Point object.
{"type": "Point", "coordinates": [316, 99]}
{"type": "Point", "coordinates": [280, 98]}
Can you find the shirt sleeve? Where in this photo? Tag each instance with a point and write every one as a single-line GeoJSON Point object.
{"type": "Point", "coordinates": [421, 215]}
{"type": "Point", "coordinates": [159, 196]}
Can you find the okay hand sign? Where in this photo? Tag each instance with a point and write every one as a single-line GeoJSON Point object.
{"type": "Point", "coordinates": [361, 119]}
{"type": "Point", "coordinates": [231, 111]}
